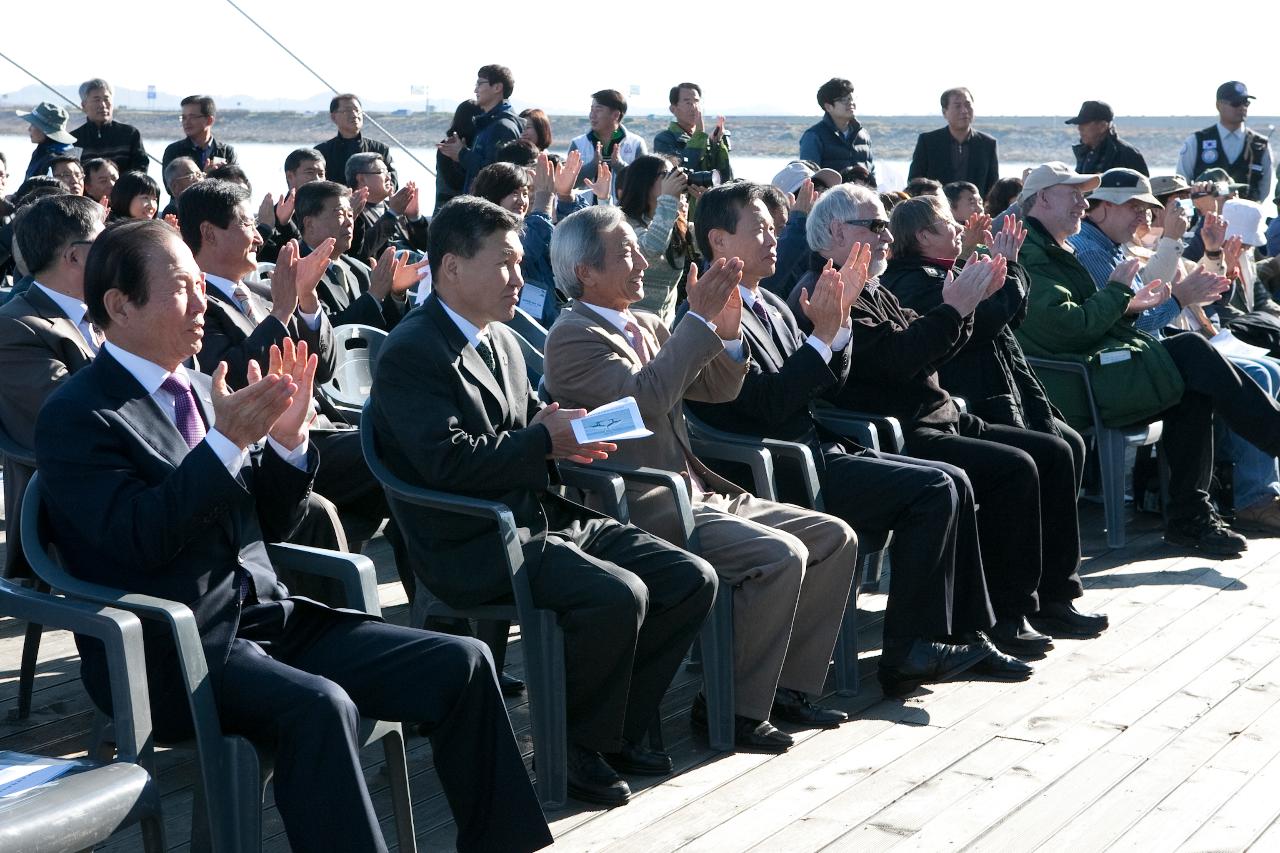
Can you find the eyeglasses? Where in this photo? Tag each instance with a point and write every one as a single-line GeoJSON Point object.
{"type": "Point", "coordinates": [875, 226]}
{"type": "Point", "coordinates": [1238, 104]}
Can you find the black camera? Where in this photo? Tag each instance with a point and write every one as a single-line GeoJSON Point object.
{"type": "Point", "coordinates": [705, 179]}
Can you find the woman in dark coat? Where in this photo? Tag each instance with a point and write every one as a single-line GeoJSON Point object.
{"type": "Point", "coordinates": [990, 371]}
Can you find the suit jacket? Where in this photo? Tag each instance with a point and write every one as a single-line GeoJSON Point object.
{"type": "Point", "coordinates": [39, 348]}
{"type": "Point", "coordinates": [590, 363]}
{"type": "Point", "coordinates": [344, 294]}
{"type": "Point", "coordinates": [131, 506]}
{"type": "Point", "coordinates": [932, 159]}
{"type": "Point", "coordinates": [444, 422]}
{"type": "Point", "coordinates": [375, 231]}
{"type": "Point", "coordinates": [784, 375]}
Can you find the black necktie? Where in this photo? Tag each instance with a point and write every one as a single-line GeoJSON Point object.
{"type": "Point", "coordinates": [490, 362]}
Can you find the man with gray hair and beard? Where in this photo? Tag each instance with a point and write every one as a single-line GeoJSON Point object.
{"type": "Point", "coordinates": [1023, 481]}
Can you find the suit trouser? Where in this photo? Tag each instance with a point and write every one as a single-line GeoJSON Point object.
{"type": "Point", "coordinates": [630, 606]}
{"type": "Point", "coordinates": [304, 687]}
{"type": "Point", "coordinates": [1213, 385]}
{"type": "Point", "coordinates": [791, 570]}
{"type": "Point", "coordinates": [1026, 489]}
{"type": "Point", "coordinates": [937, 586]}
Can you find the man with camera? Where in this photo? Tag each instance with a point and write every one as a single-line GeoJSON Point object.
{"type": "Point", "coordinates": [1227, 144]}
{"type": "Point", "coordinates": [687, 138]}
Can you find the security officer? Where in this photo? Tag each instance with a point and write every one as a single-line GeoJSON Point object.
{"type": "Point", "coordinates": [1229, 145]}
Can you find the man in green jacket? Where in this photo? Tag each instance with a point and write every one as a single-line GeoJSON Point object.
{"type": "Point", "coordinates": [687, 138]}
{"type": "Point", "coordinates": [1180, 379]}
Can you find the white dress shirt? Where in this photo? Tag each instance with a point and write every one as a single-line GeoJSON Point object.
{"type": "Point", "coordinates": [840, 341]}
{"type": "Point", "coordinates": [75, 311]}
{"type": "Point", "coordinates": [620, 319]}
{"type": "Point", "coordinates": [473, 333]}
{"type": "Point", "coordinates": [151, 376]}
{"type": "Point", "coordinates": [227, 288]}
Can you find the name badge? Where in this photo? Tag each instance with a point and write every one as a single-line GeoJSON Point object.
{"type": "Point", "coordinates": [1114, 356]}
{"type": "Point", "coordinates": [532, 300]}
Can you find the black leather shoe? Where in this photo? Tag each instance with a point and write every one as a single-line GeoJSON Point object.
{"type": "Point", "coordinates": [998, 665]}
{"type": "Point", "coordinates": [510, 685]}
{"type": "Point", "coordinates": [924, 662]}
{"type": "Point", "coordinates": [641, 761]}
{"type": "Point", "coordinates": [591, 780]}
{"type": "Point", "coordinates": [1209, 535]}
{"type": "Point", "coordinates": [748, 734]}
{"type": "Point", "coordinates": [1062, 618]}
{"type": "Point", "coordinates": [1014, 636]}
{"type": "Point", "coordinates": [794, 707]}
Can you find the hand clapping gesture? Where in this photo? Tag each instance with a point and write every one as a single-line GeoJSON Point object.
{"type": "Point", "coordinates": [714, 295]}
{"type": "Point", "coordinates": [1009, 241]}
{"type": "Point", "coordinates": [825, 307]}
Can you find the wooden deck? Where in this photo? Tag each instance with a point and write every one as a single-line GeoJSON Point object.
{"type": "Point", "coordinates": [1163, 734]}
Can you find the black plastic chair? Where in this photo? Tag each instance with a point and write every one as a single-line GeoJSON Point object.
{"type": "Point", "coordinates": [93, 801]}
{"type": "Point", "coordinates": [233, 770]}
{"type": "Point", "coordinates": [19, 462]}
{"type": "Point", "coordinates": [1111, 444]}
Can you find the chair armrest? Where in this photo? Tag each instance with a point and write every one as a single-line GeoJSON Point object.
{"type": "Point", "coordinates": [758, 459]}
{"type": "Point", "coordinates": [121, 632]}
{"type": "Point", "coordinates": [355, 572]}
{"type": "Point", "coordinates": [850, 423]}
{"type": "Point", "coordinates": [668, 480]}
{"type": "Point", "coordinates": [603, 482]}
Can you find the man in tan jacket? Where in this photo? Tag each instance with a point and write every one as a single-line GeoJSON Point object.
{"type": "Point", "coordinates": [790, 568]}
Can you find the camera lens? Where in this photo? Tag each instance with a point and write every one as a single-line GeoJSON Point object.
{"type": "Point", "coordinates": [708, 178]}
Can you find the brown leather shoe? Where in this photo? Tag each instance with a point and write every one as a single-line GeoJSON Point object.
{"type": "Point", "coordinates": [1262, 518]}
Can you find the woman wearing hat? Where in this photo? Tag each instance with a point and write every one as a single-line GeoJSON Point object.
{"type": "Point", "coordinates": [49, 132]}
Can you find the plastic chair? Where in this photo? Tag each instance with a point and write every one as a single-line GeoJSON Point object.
{"type": "Point", "coordinates": [233, 770]}
{"type": "Point", "coordinates": [85, 807]}
{"type": "Point", "coordinates": [530, 329]}
{"type": "Point", "coordinates": [20, 464]}
{"type": "Point", "coordinates": [707, 439]}
{"type": "Point", "coordinates": [1111, 444]}
{"type": "Point", "coordinates": [539, 629]}
{"type": "Point", "coordinates": [357, 350]}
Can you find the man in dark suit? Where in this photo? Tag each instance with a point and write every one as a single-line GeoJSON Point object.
{"type": "Point", "coordinates": [453, 411]}
{"type": "Point", "coordinates": [938, 600]}
{"type": "Point", "coordinates": [240, 327]}
{"type": "Point", "coordinates": [349, 292]}
{"type": "Point", "coordinates": [957, 152]}
{"type": "Point", "coordinates": [44, 334]}
{"type": "Point", "coordinates": [390, 217]}
{"type": "Point", "coordinates": [154, 486]}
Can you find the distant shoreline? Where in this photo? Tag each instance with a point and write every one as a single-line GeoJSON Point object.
{"type": "Point", "coordinates": [1022, 138]}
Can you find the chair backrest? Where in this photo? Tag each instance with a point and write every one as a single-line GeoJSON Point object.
{"type": "Point", "coordinates": [534, 363]}
{"type": "Point", "coordinates": [357, 349]}
{"type": "Point", "coordinates": [1138, 435]}
{"type": "Point", "coordinates": [799, 455]}
{"type": "Point", "coordinates": [398, 490]}
{"type": "Point", "coordinates": [529, 328]}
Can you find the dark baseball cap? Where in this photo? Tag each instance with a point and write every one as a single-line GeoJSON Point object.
{"type": "Point", "coordinates": [1093, 111]}
{"type": "Point", "coordinates": [1234, 90]}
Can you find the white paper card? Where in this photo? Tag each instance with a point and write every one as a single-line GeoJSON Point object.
{"type": "Point", "coordinates": [1112, 356]}
{"type": "Point", "coordinates": [532, 300]}
{"type": "Point", "coordinates": [611, 422]}
{"type": "Point", "coordinates": [1228, 344]}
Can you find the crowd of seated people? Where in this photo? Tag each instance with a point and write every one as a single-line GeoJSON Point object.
{"type": "Point", "coordinates": [171, 393]}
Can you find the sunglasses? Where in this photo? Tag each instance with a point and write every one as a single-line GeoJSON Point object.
{"type": "Point", "coordinates": [875, 226]}
{"type": "Point", "coordinates": [1238, 104]}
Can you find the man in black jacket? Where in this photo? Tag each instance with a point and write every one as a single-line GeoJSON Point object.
{"type": "Point", "coordinates": [957, 152]}
{"type": "Point", "coordinates": [100, 136]}
{"type": "Point", "coordinates": [199, 113]}
{"type": "Point", "coordinates": [1100, 148]}
{"type": "Point", "coordinates": [348, 116]}
{"type": "Point", "coordinates": [939, 594]}
{"type": "Point", "coordinates": [154, 486]}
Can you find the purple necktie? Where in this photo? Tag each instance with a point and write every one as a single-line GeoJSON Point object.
{"type": "Point", "coordinates": [757, 308]}
{"type": "Point", "coordinates": [186, 418]}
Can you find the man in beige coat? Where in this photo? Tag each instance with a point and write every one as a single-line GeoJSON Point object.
{"type": "Point", "coordinates": [790, 568]}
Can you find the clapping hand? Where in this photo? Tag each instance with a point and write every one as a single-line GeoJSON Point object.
{"type": "Point", "coordinates": [1199, 288]}
{"type": "Point", "coordinates": [245, 416]}
{"type": "Point", "coordinates": [1213, 230]}
{"type": "Point", "coordinates": [297, 369]}
{"type": "Point", "coordinates": [1232, 249]}
{"type": "Point", "coordinates": [1149, 296]}
{"type": "Point", "coordinates": [825, 307]}
{"type": "Point", "coordinates": [802, 201]}
{"type": "Point", "coordinates": [711, 295]}
{"type": "Point", "coordinates": [1009, 241]}
{"type": "Point", "coordinates": [567, 178]}
{"type": "Point", "coordinates": [976, 229]}
{"type": "Point", "coordinates": [854, 274]}
{"type": "Point", "coordinates": [602, 186]}
{"type": "Point", "coordinates": [451, 147]}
